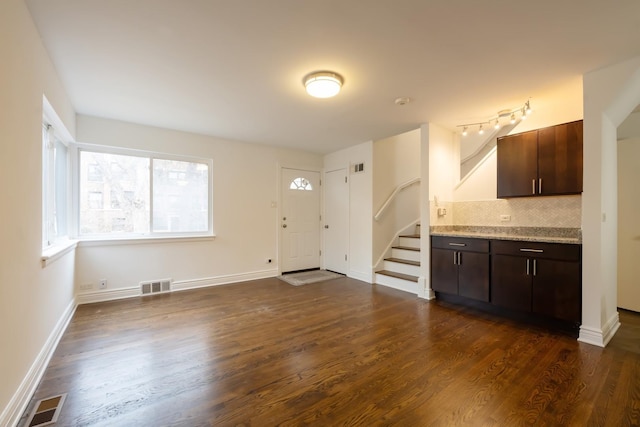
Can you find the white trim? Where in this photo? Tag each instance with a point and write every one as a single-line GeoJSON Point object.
{"type": "Point", "coordinates": [57, 251]}
{"type": "Point", "coordinates": [600, 337]}
{"type": "Point", "coordinates": [180, 285]}
{"type": "Point", "coordinates": [358, 275]}
{"type": "Point", "coordinates": [183, 285]}
{"type": "Point", "coordinates": [143, 240]}
{"type": "Point", "coordinates": [18, 403]}
{"type": "Point", "coordinates": [423, 291]}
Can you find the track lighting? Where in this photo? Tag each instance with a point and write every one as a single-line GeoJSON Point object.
{"type": "Point", "coordinates": [523, 111]}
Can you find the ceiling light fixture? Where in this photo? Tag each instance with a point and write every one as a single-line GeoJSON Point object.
{"type": "Point", "coordinates": [323, 84]}
{"type": "Point", "coordinates": [523, 111]}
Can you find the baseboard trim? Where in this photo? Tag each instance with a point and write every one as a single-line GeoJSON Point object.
{"type": "Point", "coordinates": [424, 291]}
{"type": "Point", "coordinates": [20, 400]}
{"type": "Point", "coordinates": [600, 337]}
{"type": "Point", "coordinates": [365, 277]}
{"type": "Point", "coordinates": [184, 285]}
{"type": "Point", "coordinates": [181, 285]}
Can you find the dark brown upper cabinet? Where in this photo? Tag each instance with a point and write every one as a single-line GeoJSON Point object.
{"type": "Point", "coordinates": [543, 162]}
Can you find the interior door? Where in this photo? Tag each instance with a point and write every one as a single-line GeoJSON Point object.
{"type": "Point", "coordinates": [336, 219]}
{"type": "Point", "coordinates": [300, 221]}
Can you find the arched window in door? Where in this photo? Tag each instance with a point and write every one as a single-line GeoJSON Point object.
{"type": "Point", "coordinates": [300, 184]}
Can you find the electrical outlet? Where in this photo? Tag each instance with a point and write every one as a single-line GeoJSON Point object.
{"type": "Point", "coordinates": [505, 218]}
{"type": "Point", "coordinates": [103, 284]}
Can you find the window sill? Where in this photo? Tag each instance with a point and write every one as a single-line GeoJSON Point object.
{"type": "Point", "coordinates": [143, 240]}
{"type": "Point", "coordinates": [57, 251]}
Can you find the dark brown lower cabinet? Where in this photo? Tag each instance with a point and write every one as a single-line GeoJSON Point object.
{"type": "Point", "coordinates": [460, 266]}
{"type": "Point", "coordinates": [541, 278]}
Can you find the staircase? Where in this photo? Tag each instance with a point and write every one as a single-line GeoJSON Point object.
{"type": "Point", "coordinates": [402, 269]}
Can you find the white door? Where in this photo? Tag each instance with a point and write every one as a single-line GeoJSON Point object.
{"type": "Point", "coordinates": [336, 219]}
{"type": "Point", "coordinates": [300, 221]}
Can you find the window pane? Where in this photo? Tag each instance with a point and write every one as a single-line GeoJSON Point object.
{"type": "Point", "coordinates": [125, 180]}
{"type": "Point", "coordinates": [180, 196]}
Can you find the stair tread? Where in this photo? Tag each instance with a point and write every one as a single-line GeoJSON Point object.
{"type": "Point", "coordinates": [407, 248]}
{"type": "Point", "coordinates": [411, 236]}
{"type": "Point", "coordinates": [403, 261]}
{"type": "Point", "coordinates": [398, 275]}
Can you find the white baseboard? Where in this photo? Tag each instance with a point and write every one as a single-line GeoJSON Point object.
{"type": "Point", "coordinates": [181, 285]}
{"type": "Point", "coordinates": [358, 275]}
{"type": "Point", "coordinates": [600, 337]}
{"type": "Point", "coordinates": [18, 404]}
{"type": "Point", "coordinates": [424, 291]}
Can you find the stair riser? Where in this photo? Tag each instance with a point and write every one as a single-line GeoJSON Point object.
{"type": "Point", "coordinates": [398, 267]}
{"type": "Point", "coordinates": [396, 283]}
{"type": "Point", "coordinates": [405, 254]}
{"type": "Point", "coordinates": [410, 242]}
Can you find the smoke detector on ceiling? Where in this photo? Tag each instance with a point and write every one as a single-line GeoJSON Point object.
{"type": "Point", "coordinates": [402, 101]}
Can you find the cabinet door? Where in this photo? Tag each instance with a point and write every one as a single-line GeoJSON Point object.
{"type": "Point", "coordinates": [510, 283]}
{"type": "Point", "coordinates": [560, 159]}
{"type": "Point", "coordinates": [444, 272]}
{"type": "Point", "coordinates": [517, 164]}
{"type": "Point", "coordinates": [557, 291]}
{"type": "Point", "coordinates": [473, 276]}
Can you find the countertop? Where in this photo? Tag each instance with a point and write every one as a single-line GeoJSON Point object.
{"type": "Point", "coordinates": [526, 234]}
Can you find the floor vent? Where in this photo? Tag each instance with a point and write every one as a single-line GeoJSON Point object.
{"type": "Point", "coordinates": [46, 411]}
{"type": "Point", "coordinates": [155, 287]}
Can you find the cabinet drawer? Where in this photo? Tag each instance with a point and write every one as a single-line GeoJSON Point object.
{"type": "Point", "coordinates": [460, 243]}
{"type": "Point", "coordinates": [559, 251]}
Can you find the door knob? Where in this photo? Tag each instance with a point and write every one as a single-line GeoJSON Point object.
{"type": "Point", "coordinates": [326, 226]}
{"type": "Point", "coordinates": [284, 218]}
{"type": "Point", "coordinates": [284, 225]}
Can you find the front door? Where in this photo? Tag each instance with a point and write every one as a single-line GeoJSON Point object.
{"type": "Point", "coordinates": [300, 220]}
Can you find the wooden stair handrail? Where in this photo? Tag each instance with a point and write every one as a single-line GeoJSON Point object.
{"type": "Point", "coordinates": [393, 195]}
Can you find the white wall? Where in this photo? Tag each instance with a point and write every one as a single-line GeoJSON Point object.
{"type": "Point", "coordinates": [628, 224]}
{"type": "Point", "coordinates": [245, 183]}
{"type": "Point", "coordinates": [482, 184]}
{"type": "Point", "coordinates": [33, 299]}
{"type": "Point", "coordinates": [610, 95]}
{"type": "Point", "coordinates": [360, 207]}
{"type": "Point", "coordinates": [396, 161]}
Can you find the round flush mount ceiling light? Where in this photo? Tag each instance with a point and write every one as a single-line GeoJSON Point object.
{"type": "Point", "coordinates": [323, 84]}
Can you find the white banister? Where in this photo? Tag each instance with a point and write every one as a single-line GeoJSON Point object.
{"type": "Point", "coordinates": [393, 195]}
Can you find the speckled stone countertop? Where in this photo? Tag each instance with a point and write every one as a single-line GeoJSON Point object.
{"type": "Point", "coordinates": [527, 234]}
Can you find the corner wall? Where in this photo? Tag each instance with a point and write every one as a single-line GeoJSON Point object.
{"type": "Point", "coordinates": [35, 302]}
{"type": "Point", "coordinates": [610, 95]}
{"type": "Point", "coordinates": [360, 256]}
{"type": "Point", "coordinates": [246, 180]}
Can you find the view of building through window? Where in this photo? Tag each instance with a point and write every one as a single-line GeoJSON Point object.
{"type": "Point", "coordinates": [116, 196]}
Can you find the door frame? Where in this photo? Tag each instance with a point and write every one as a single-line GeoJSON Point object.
{"type": "Point", "coordinates": [323, 242]}
{"type": "Point", "coordinates": [280, 198]}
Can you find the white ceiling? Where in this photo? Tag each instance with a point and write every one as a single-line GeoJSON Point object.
{"type": "Point", "coordinates": [234, 68]}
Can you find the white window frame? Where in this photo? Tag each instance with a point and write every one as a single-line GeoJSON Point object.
{"type": "Point", "coordinates": [54, 245]}
{"type": "Point", "coordinates": [151, 235]}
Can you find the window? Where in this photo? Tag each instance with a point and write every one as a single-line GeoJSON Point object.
{"type": "Point", "coordinates": [148, 194]}
{"type": "Point", "coordinates": [55, 170]}
{"type": "Point", "coordinates": [300, 184]}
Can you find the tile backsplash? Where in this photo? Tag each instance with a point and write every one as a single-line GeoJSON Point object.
{"type": "Point", "coordinates": [554, 211]}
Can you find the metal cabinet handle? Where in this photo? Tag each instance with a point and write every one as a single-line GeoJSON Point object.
{"type": "Point", "coordinates": [535, 267]}
{"type": "Point", "coordinates": [455, 258]}
{"type": "Point", "coordinates": [533, 186]}
{"type": "Point", "coordinates": [457, 244]}
{"type": "Point", "coordinates": [459, 258]}
{"type": "Point", "coordinates": [527, 266]}
{"type": "Point", "coordinates": [538, 251]}
{"type": "Point", "coordinates": [540, 186]}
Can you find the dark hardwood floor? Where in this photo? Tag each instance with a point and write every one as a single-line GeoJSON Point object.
{"type": "Point", "coordinates": [341, 352]}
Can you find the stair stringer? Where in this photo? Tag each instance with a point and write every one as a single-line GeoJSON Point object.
{"type": "Point", "coordinates": [409, 229]}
